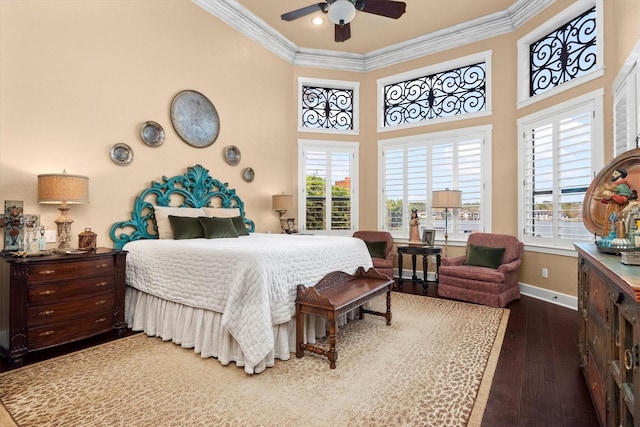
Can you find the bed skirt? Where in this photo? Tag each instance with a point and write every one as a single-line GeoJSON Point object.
{"type": "Point", "coordinates": [201, 330]}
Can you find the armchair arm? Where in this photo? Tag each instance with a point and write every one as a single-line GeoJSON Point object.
{"type": "Point", "coordinates": [511, 266]}
{"type": "Point", "coordinates": [453, 261]}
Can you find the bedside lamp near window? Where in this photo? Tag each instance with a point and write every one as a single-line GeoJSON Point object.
{"type": "Point", "coordinates": [281, 204]}
{"type": "Point", "coordinates": [63, 189]}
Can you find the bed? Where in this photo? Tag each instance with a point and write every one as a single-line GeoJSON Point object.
{"type": "Point", "coordinates": [231, 298]}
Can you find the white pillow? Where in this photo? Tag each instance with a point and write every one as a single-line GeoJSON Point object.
{"type": "Point", "coordinates": [162, 218]}
{"type": "Point", "coordinates": [221, 212]}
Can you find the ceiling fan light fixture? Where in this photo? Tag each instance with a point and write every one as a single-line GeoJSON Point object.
{"type": "Point", "coordinates": [342, 12]}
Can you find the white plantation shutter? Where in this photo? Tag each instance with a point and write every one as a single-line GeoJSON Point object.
{"type": "Point", "coordinates": [626, 113]}
{"type": "Point", "coordinates": [328, 186]}
{"type": "Point", "coordinates": [557, 171]}
{"type": "Point", "coordinates": [415, 167]}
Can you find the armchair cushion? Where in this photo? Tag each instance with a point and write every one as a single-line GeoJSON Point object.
{"type": "Point", "coordinates": [377, 249]}
{"type": "Point", "coordinates": [484, 256]}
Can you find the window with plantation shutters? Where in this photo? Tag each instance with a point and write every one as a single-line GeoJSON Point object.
{"type": "Point", "coordinates": [328, 187]}
{"type": "Point", "coordinates": [626, 108]}
{"type": "Point", "coordinates": [413, 167]}
{"type": "Point", "coordinates": [558, 164]}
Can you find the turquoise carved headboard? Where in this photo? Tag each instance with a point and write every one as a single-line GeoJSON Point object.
{"type": "Point", "coordinates": [194, 189]}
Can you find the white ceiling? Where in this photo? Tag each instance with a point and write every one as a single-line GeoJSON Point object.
{"type": "Point", "coordinates": [372, 32]}
{"type": "Point", "coordinates": [375, 41]}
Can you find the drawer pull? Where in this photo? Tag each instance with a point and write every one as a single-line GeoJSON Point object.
{"type": "Point", "coordinates": [47, 292]}
{"type": "Point", "coordinates": [99, 284]}
{"type": "Point", "coordinates": [46, 312]}
{"type": "Point", "coordinates": [101, 320]}
{"type": "Point", "coordinates": [47, 272]}
{"type": "Point", "coordinates": [628, 359]}
{"type": "Point", "coordinates": [102, 301]}
{"type": "Point", "coordinates": [46, 333]}
{"type": "Point", "coordinates": [102, 265]}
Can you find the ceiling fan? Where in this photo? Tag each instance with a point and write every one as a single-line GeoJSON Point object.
{"type": "Point", "coordinates": [342, 12]}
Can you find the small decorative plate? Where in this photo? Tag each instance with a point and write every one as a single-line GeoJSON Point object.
{"type": "Point", "coordinates": [152, 134]}
{"type": "Point", "coordinates": [232, 155]}
{"type": "Point", "coordinates": [248, 174]}
{"type": "Point", "coordinates": [194, 118]}
{"type": "Point", "coordinates": [121, 154]}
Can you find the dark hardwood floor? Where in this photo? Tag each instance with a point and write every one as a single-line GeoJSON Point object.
{"type": "Point", "coordinates": [537, 381]}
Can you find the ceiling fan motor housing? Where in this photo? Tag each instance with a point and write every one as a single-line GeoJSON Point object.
{"type": "Point", "coordinates": [342, 12]}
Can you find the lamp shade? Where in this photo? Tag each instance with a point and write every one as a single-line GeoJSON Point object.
{"type": "Point", "coordinates": [447, 199]}
{"type": "Point", "coordinates": [342, 12]}
{"type": "Point", "coordinates": [282, 202]}
{"type": "Point", "coordinates": [56, 188]}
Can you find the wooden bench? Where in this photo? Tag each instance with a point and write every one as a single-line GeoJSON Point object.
{"type": "Point", "coordinates": [336, 294]}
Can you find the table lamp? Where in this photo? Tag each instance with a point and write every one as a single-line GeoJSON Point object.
{"type": "Point", "coordinates": [64, 189]}
{"type": "Point", "coordinates": [281, 204]}
{"type": "Point", "coordinates": [447, 199]}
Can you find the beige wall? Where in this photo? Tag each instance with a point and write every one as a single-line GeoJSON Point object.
{"type": "Point", "coordinates": [78, 77]}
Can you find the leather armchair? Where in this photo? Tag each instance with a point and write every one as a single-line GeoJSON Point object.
{"type": "Point", "coordinates": [382, 265]}
{"type": "Point", "coordinates": [483, 285]}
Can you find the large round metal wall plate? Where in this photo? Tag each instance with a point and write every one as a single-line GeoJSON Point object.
{"type": "Point", "coordinates": [194, 118]}
{"type": "Point", "coordinates": [248, 174]}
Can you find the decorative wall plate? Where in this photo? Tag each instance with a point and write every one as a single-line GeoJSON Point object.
{"type": "Point", "coordinates": [232, 155]}
{"type": "Point", "coordinates": [121, 154]}
{"type": "Point", "coordinates": [248, 174]}
{"type": "Point", "coordinates": [194, 118]}
{"type": "Point", "coordinates": [152, 134]}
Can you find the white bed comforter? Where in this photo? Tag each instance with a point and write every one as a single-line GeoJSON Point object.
{"type": "Point", "coordinates": [250, 279]}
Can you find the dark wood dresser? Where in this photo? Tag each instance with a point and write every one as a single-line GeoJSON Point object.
{"type": "Point", "coordinates": [609, 334]}
{"type": "Point", "coordinates": [52, 300]}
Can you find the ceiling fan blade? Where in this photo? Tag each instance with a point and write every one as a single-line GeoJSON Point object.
{"type": "Point", "coordinates": [299, 13]}
{"type": "Point", "coordinates": [343, 32]}
{"type": "Point", "coordinates": [387, 8]}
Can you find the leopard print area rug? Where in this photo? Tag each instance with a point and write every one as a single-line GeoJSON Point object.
{"type": "Point", "coordinates": [433, 366]}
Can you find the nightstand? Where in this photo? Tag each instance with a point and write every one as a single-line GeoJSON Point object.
{"type": "Point", "coordinates": [52, 300]}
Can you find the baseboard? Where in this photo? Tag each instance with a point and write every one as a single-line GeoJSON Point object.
{"type": "Point", "coordinates": [558, 298]}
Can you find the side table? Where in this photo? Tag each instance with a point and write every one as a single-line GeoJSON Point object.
{"type": "Point", "coordinates": [426, 252]}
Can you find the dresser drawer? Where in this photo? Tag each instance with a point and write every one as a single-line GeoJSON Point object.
{"type": "Point", "coordinates": [63, 332]}
{"type": "Point", "coordinates": [69, 270]}
{"type": "Point", "coordinates": [598, 296]}
{"type": "Point", "coordinates": [47, 293]}
{"type": "Point", "coordinates": [597, 344]}
{"type": "Point", "coordinates": [70, 310]}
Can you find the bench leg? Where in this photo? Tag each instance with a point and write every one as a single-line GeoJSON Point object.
{"type": "Point", "coordinates": [299, 331]}
{"type": "Point", "coordinates": [332, 354]}
{"type": "Point", "coordinates": [387, 315]}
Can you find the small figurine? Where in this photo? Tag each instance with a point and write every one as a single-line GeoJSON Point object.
{"type": "Point", "coordinates": [414, 227]}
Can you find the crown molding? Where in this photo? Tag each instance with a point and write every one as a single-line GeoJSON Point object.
{"type": "Point", "coordinates": [242, 19]}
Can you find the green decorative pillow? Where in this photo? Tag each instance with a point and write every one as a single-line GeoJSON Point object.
{"type": "Point", "coordinates": [238, 223]}
{"type": "Point", "coordinates": [484, 256]}
{"type": "Point", "coordinates": [377, 249]}
{"type": "Point", "coordinates": [215, 228]}
{"type": "Point", "coordinates": [185, 227]}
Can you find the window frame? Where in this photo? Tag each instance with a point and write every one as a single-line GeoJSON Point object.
{"type": "Point", "coordinates": [483, 132]}
{"type": "Point", "coordinates": [328, 146]}
{"type": "Point", "coordinates": [524, 43]}
{"type": "Point", "coordinates": [434, 69]}
{"type": "Point", "coordinates": [593, 100]}
{"type": "Point", "coordinates": [331, 84]}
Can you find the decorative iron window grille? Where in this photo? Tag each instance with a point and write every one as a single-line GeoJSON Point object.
{"type": "Point", "coordinates": [327, 108]}
{"type": "Point", "coordinates": [449, 93]}
{"type": "Point", "coordinates": [564, 54]}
